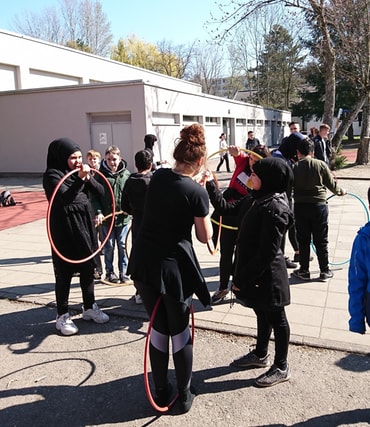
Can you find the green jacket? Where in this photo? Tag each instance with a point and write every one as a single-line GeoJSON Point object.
{"type": "Point", "coordinates": [103, 204]}
{"type": "Point", "coordinates": [311, 179]}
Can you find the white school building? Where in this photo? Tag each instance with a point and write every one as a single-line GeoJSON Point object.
{"type": "Point", "coordinates": [48, 91]}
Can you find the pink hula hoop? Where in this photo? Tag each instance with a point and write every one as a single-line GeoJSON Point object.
{"type": "Point", "coordinates": [60, 255]}
{"type": "Point", "coordinates": [146, 356]}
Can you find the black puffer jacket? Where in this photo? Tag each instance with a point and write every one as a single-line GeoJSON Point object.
{"type": "Point", "coordinates": [260, 270]}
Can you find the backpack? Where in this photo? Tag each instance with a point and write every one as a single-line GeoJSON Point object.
{"type": "Point", "coordinates": [6, 199]}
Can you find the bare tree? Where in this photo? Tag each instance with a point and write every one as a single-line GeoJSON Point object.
{"type": "Point", "coordinates": [339, 24]}
{"type": "Point", "coordinates": [75, 23]}
{"type": "Point", "coordinates": [209, 69]}
{"type": "Point", "coordinates": [247, 45]}
{"type": "Point", "coordinates": [45, 25]}
{"type": "Point", "coordinates": [175, 60]}
{"type": "Point", "coordinates": [352, 39]}
{"type": "Point", "coordinates": [94, 27]}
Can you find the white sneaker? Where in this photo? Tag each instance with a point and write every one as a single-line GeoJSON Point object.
{"type": "Point", "coordinates": [95, 314]}
{"type": "Point", "coordinates": [138, 299]}
{"type": "Point", "coordinates": [65, 325]}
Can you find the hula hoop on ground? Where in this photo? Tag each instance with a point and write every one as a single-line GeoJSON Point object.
{"type": "Point", "coordinates": [146, 356]}
{"type": "Point", "coordinates": [215, 249]}
{"type": "Point", "coordinates": [224, 150]}
{"type": "Point", "coordinates": [48, 230]}
{"type": "Point", "coordinates": [367, 217]}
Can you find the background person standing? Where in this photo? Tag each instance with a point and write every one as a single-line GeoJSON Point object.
{"type": "Point", "coordinates": [224, 156]}
{"type": "Point", "coordinates": [251, 141]}
{"type": "Point", "coordinates": [322, 148]}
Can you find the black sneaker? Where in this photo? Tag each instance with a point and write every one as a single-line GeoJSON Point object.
{"type": "Point", "coordinates": [273, 376]}
{"type": "Point", "coordinates": [302, 274]}
{"type": "Point", "coordinates": [219, 296]}
{"type": "Point", "coordinates": [112, 277]}
{"type": "Point", "coordinates": [251, 360]}
{"type": "Point", "coordinates": [326, 275]}
{"type": "Point", "coordinates": [289, 263]}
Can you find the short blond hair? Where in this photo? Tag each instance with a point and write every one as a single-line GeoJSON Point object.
{"type": "Point", "coordinates": [93, 153]}
{"type": "Point", "coordinates": [113, 149]}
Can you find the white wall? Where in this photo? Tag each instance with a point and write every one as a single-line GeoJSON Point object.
{"type": "Point", "coordinates": [46, 92]}
{"type": "Point", "coordinates": [31, 119]}
{"type": "Point", "coordinates": [30, 59]}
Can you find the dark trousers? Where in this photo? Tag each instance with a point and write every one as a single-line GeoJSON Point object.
{"type": "Point", "coordinates": [63, 277]}
{"type": "Point", "coordinates": [312, 223]}
{"type": "Point", "coordinates": [171, 320]}
{"type": "Point", "coordinates": [222, 159]}
{"type": "Point", "coordinates": [268, 321]}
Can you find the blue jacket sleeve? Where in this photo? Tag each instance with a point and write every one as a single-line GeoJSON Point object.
{"type": "Point", "coordinates": [358, 277]}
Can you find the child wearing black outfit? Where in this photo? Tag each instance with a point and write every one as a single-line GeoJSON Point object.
{"type": "Point", "coordinates": [72, 230]}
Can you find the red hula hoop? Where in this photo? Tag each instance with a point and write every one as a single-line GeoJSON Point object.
{"type": "Point", "coordinates": [146, 356]}
{"type": "Point", "coordinates": [77, 261]}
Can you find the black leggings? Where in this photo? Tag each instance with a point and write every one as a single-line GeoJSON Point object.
{"type": "Point", "coordinates": [171, 320]}
{"type": "Point", "coordinates": [63, 277]}
{"type": "Point", "coordinates": [276, 320]}
{"type": "Point", "coordinates": [224, 158]}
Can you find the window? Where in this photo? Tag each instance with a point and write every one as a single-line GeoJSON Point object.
{"type": "Point", "coordinates": [192, 119]}
{"type": "Point", "coordinates": [165, 118]}
{"type": "Point", "coordinates": [214, 120]}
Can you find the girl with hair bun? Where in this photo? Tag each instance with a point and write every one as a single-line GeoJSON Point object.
{"type": "Point", "coordinates": [163, 263]}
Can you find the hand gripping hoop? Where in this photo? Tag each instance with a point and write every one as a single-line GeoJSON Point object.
{"type": "Point", "coordinates": [214, 249]}
{"type": "Point", "coordinates": [77, 261]}
{"type": "Point", "coordinates": [146, 356]}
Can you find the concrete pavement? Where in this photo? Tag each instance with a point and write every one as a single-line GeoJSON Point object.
{"type": "Point", "coordinates": [318, 313]}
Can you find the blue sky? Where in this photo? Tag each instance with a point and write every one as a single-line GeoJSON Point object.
{"type": "Point", "coordinates": [152, 21]}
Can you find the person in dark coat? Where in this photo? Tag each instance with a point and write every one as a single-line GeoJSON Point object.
{"type": "Point", "coordinates": [260, 279]}
{"type": "Point", "coordinates": [149, 142]}
{"type": "Point", "coordinates": [72, 230]}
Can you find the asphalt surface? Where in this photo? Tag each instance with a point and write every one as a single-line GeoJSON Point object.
{"type": "Point", "coordinates": [95, 378]}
